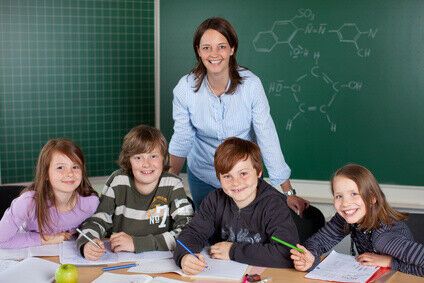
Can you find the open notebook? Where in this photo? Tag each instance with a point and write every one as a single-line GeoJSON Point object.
{"type": "Point", "coordinates": [219, 269]}
{"type": "Point", "coordinates": [344, 268]}
{"type": "Point", "coordinates": [32, 269]}
{"type": "Point", "coordinates": [19, 254]}
{"type": "Point", "coordinates": [70, 254]}
{"type": "Point", "coordinates": [108, 277]}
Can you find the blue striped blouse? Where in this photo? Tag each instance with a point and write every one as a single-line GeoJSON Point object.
{"type": "Point", "coordinates": [203, 120]}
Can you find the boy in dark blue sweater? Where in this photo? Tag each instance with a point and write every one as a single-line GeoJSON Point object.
{"type": "Point", "coordinates": [239, 219]}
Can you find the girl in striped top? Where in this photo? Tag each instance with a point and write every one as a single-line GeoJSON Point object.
{"type": "Point", "coordinates": [378, 231]}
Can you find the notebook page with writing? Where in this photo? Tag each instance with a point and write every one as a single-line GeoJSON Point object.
{"type": "Point", "coordinates": [220, 269]}
{"type": "Point", "coordinates": [6, 263]}
{"type": "Point", "coordinates": [342, 268]}
{"type": "Point", "coordinates": [156, 266]}
{"type": "Point", "coordinates": [144, 256]}
{"type": "Point", "coordinates": [14, 254]}
{"type": "Point", "coordinates": [70, 254]}
{"type": "Point", "coordinates": [23, 253]}
{"type": "Point", "coordinates": [32, 269]}
{"type": "Point", "coordinates": [108, 277]}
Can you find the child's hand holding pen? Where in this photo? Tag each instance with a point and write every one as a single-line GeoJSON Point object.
{"type": "Point", "coordinates": [94, 251]}
{"type": "Point", "coordinates": [193, 264]}
{"type": "Point", "coordinates": [302, 260]}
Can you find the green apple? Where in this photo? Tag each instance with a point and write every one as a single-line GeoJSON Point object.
{"type": "Point", "coordinates": [66, 273]}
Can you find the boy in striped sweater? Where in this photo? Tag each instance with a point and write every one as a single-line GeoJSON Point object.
{"type": "Point", "coordinates": [142, 207]}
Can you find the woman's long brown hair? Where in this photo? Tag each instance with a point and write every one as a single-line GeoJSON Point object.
{"type": "Point", "coordinates": [226, 29]}
{"type": "Point", "coordinates": [44, 197]}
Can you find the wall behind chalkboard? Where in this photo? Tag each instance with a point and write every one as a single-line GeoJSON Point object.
{"type": "Point", "coordinates": [344, 79]}
{"type": "Point", "coordinates": [77, 69]}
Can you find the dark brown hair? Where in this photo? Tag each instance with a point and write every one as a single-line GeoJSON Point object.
{"type": "Point", "coordinates": [142, 139]}
{"type": "Point", "coordinates": [378, 210]}
{"type": "Point", "coordinates": [44, 195]}
{"type": "Point", "coordinates": [226, 29]}
{"type": "Point", "coordinates": [233, 150]}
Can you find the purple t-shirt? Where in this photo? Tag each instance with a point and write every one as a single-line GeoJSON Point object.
{"type": "Point", "coordinates": [19, 227]}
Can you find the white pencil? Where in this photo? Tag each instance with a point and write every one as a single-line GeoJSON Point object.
{"type": "Point", "coordinates": [88, 238]}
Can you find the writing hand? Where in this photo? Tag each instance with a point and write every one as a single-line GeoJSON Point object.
{"type": "Point", "coordinates": [192, 265]}
{"type": "Point", "coordinates": [93, 252]}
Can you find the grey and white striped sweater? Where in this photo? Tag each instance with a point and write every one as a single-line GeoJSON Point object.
{"type": "Point", "coordinates": [154, 220]}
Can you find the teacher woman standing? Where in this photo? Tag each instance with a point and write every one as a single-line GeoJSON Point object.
{"type": "Point", "coordinates": [220, 99]}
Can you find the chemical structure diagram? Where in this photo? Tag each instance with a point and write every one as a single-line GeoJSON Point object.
{"type": "Point", "coordinates": [313, 103]}
{"type": "Point", "coordinates": [285, 31]}
{"type": "Point", "coordinates": [315, 91]}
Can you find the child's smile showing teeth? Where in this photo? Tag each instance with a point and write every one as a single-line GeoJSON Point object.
{"type": "Point", "coordinates": [350, 212]}
{"type": "Point", "coordinates": [347, 200]}
{"type": "Point", "coordinates": [147, 168]}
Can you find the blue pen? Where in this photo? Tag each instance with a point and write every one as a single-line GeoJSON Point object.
{"type": "Point", "coordinates": [187, 249]}
{"type": "Point", "coordinates": [119, 267]}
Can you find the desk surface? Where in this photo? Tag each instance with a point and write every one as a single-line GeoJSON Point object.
{"type": "Point", "coordinates": [278, 275]}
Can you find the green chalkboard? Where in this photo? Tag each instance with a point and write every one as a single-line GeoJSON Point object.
{"type": "Point", "coordinates": [77, 69]}
{"type": "Point", "coordinates": [344, 79]}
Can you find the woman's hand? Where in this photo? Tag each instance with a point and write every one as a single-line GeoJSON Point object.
{"type": "Point", "coordinates": [297, 204]}
{"type": "Point", "coordinates": [375, 259]}
{"type": "Point", "coordinates": [302, 261]}
{"type": "Point", "coordinates": [121, 242]}
{"type": "Point", "coordinates": [93, 252]}
{"type": "Point", "coordinates": [192, 265]}
{"type": "Point", "coordinates": [55, 238]}
{"type": "Point", "coordinates": [221, 250]}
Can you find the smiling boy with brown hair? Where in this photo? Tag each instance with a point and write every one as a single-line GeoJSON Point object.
{"type": "Point", "coordinates": [142, 207]}
{"type": "Point", "coordinates": [239, 219]}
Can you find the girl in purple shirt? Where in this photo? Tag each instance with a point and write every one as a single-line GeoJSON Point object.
{"type": "Point", "coordinates": [57, 202]}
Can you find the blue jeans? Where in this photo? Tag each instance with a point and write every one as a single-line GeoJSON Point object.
{"type": "Point", "coordinates": [199, 189]}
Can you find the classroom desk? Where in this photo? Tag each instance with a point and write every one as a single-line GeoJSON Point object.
{"type": "Point", "coordinates": [278, 275]}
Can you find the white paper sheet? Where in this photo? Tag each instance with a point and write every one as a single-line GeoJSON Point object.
{"type": "Point", "coordinates": [108, 277]}
{"type": "Point", "coordinates": [6, 263]}
{"type": "Point", "coordinates": [124, 278]}
{"type": "Point", "coordinates": [32, 269]}
{"type": "Point", "coordinates": [222, 269]}
{"type": "Point", "coordinates": [19, 254]}
{"type": "Point", "coordinates": [14, 254]}
{"type": "Point", "coordinates": [145, 256]}
{"type": "Point", "coordinates": [44, 250]}
{"type": "Point", "coordinates": [70, 254]}
{"type": "Point", "coordinates": [341, 268]}
{"type": "Point", "coordinates": [156, 266]}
